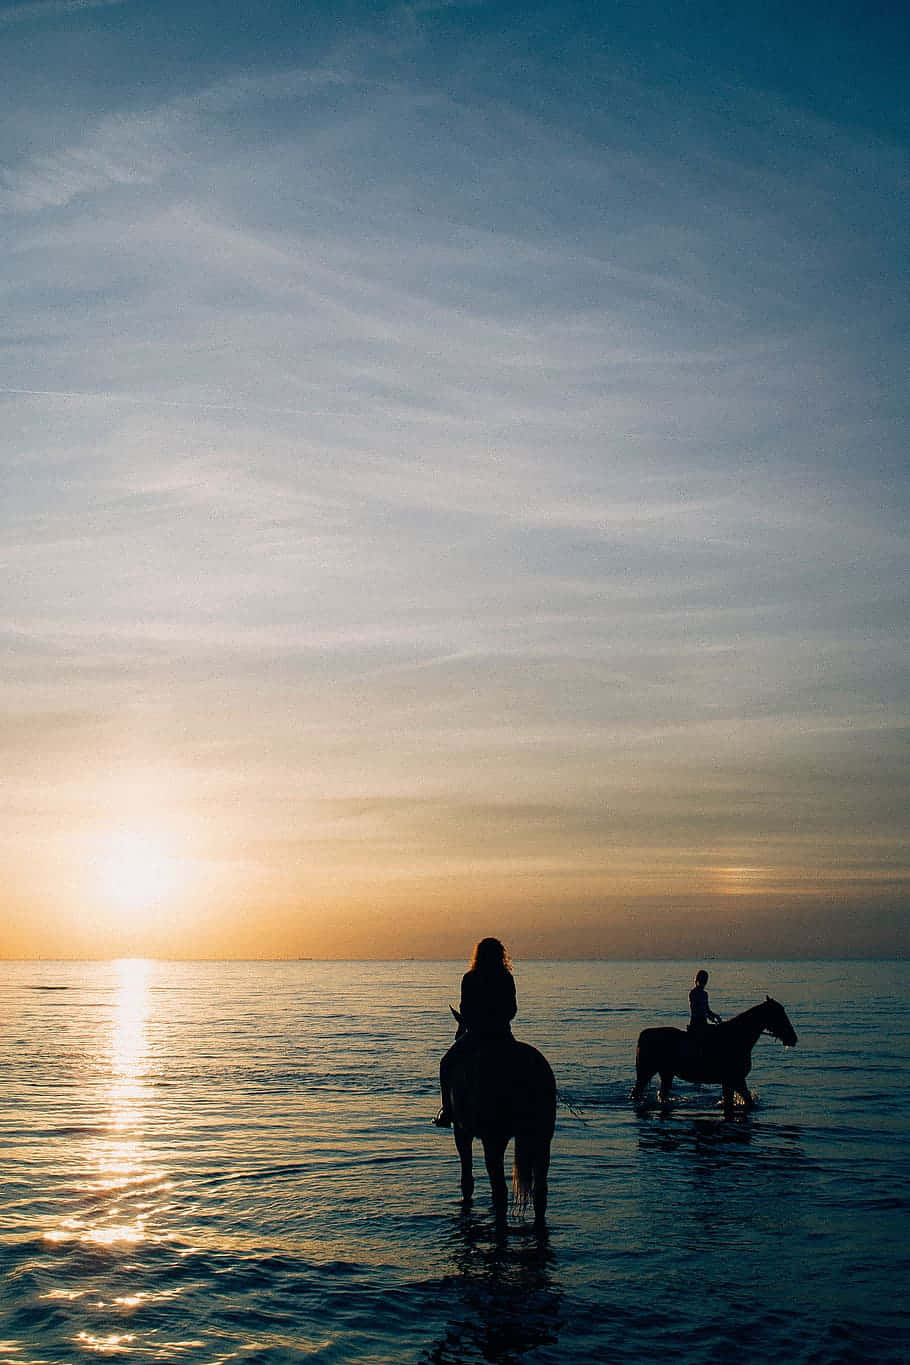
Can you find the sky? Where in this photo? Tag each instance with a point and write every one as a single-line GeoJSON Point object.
{"type": "Point", "coordinates": [454, 478]}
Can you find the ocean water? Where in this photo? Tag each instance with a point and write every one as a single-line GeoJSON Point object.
{"type": "Point", "coordinates": [210, 1162]}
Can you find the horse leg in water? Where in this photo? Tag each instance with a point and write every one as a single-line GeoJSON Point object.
{"type": "Point", "coordinates": [463, 1142]}
{"type": "Point", "coordinates": [733, 1088]}
{"type": "Point", "coordinates": [644, 1070]}
{"type": "Point", "coordinates": [666, 1080]}
{"type": "Point", "coordinates": [643, 1076]}
{"type": "Point", "coordinates": [541, 1187]}
{"type": "Point", "coordinates": [493, 1153]}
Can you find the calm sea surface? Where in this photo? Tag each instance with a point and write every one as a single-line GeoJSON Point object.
{"type": "Point", "coordinates": [210, 1162]}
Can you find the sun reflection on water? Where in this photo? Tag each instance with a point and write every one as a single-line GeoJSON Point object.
{"type": "Point", "coordinates": [129, 1045]}
{"type": "Point", "coordinates": [120, 1158]}
{"type": "Point", "coordinates": [121, 1183]}
{"type": "Point", "coordinates": [113, 1343]}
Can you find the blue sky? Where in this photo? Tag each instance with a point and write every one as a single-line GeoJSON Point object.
{"type": "Point", "coordinates": [455, 477]}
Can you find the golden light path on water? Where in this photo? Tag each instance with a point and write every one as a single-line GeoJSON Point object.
{"type": "Point", "coordinates": [120, 1186]}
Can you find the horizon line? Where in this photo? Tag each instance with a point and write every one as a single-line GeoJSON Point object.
{"type": "Point", "coordinates": [143, 957]}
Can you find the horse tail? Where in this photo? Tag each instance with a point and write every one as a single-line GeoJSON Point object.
{"type": "Point", "coordinates": [529, 1171]}
{"type": "Point", "coordinates": [523, 1169]}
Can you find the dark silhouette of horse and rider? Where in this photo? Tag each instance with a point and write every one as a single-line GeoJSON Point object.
{"type": "Point", "coordinates": [495, 1088]}
{"type": "Point", "coordinates": [710, 1050]}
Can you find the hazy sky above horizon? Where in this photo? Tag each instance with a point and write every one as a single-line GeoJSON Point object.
{"type": "Point", "coordinates": [455, 478]}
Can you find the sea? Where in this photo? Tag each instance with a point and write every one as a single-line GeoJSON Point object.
{"type": "Point", "coordinates": [236, 1161]}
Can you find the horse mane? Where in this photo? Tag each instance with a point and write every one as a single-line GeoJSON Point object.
{"type": "Point", "coordinates": [752, 1010]}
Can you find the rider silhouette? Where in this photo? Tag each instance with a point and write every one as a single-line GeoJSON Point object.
{"type": "Point", "coordinates": [486, 1010]}
{"type": "Point", "coordinates": [700, 1012]}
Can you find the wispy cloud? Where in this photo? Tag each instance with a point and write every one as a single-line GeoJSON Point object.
{"type": "Point", "coordinates": [37, 10]}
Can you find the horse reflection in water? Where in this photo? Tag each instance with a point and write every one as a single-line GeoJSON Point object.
{"type": "Point", "coordinates": [722, 1053]}
{"type": "Point", "coordinates": [502, 1302]}
{"type": "Point", "coordinates": [499, 1090]}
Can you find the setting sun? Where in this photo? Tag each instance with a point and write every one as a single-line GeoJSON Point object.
{"type": "Point", "coordinates": [137, 870]}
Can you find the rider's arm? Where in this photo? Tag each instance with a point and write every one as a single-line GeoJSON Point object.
{"type": "Point", "coordinates": [466, 1003]}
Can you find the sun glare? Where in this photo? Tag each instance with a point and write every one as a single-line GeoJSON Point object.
{"type": "Point", "coordinates": [739, 881]}
{"type": "Point", "coordinates": [137, 870]}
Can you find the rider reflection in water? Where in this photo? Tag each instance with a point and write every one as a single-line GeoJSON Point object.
{"type": "Point", "coordinates": [486, 1010]}
{"type": "Point", "coordinates": [700, 1012]}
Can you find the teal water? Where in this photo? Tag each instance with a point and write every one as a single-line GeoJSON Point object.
{"type": "Point", "coordinates": [212, 1162]}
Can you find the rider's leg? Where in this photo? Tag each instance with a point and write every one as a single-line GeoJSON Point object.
{"type": "Point", "coordinates": [463, 1143]}
{"type": "Point", "coordinates": [444, 1118]}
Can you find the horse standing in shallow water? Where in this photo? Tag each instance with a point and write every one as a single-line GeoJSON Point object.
{"type": "Point", "coordinates": [498, 1090]}
{"type": "Point", "coordinates": [722, 1053]}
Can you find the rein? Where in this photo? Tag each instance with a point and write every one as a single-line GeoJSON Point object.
{"type": "Point", "coordinates": [756, 1014]}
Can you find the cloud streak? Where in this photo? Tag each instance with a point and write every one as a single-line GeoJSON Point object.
{"type": "Point", "coordinates": [51, 9]}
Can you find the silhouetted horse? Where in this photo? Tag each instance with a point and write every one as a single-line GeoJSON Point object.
{"type": "Point", "coordinates": [499, 1089]}
{"type": "Point", "coordinates": [722, 1053]}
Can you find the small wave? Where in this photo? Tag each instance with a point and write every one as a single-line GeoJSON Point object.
{"type": "Point", "coordinates": [72, 1130]}
{"type": "Point", "coordinates": [609, 1009]}
{"type": "Point", "coordinates": [579, 1102]}
{"type": "Point", "coordinates": [334, 1162]}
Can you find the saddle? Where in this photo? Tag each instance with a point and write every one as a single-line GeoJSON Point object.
{"type": "Point", "coordinates": [696, 1047]}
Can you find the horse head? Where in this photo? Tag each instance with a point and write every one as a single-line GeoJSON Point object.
{"type": "Point", "coordinates": [777, 1023]}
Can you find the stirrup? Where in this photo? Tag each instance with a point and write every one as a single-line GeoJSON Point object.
{"type": "Point", "coordinates": [443, 1119]}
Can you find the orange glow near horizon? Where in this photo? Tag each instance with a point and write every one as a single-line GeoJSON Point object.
{"type": "Point", "coordinates": [138, 875]}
